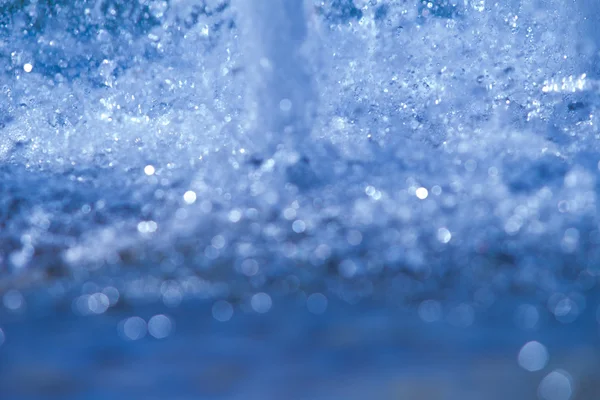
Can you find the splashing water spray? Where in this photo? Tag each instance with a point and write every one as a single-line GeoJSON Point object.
{"type": "Point", "coordinates": [281, 91]}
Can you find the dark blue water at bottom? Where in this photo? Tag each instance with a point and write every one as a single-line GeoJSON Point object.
{"type": "Point", "coordinates": [366, 350]}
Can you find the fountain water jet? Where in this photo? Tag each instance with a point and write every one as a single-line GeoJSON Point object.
{"type": "Point", "coordinates": [281, 91]}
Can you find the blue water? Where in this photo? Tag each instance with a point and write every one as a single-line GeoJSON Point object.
{"type": "Point", "coordinates": [351, 352]}
{"type": "Point", "coordinates": [299, 199]}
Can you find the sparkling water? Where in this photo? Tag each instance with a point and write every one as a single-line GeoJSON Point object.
{"type": "Point", "coordinates": [351, 198]}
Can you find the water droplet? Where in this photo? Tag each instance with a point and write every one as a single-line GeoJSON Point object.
{"type": "Point", "coordinates": [261, 302]}
{"type": "Point", "coordinates": [422, 193]}
{"type": "Point", "coordinates": [533, 356]}
{"type": "Point", "coordinates": [160, 326]}
{"type": "Point", "coordinates": [149, 170]}
{"type": "Point", "coordinates": [189, 197]}
{"type": "Point", "coordinates": [133, 328]}
{"type": "Point", "coordinates": [316, 303]}
{"type": "Point", "coordinates": [222, 311]}
{"type": "Point", "coordinates": [556, 386]}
